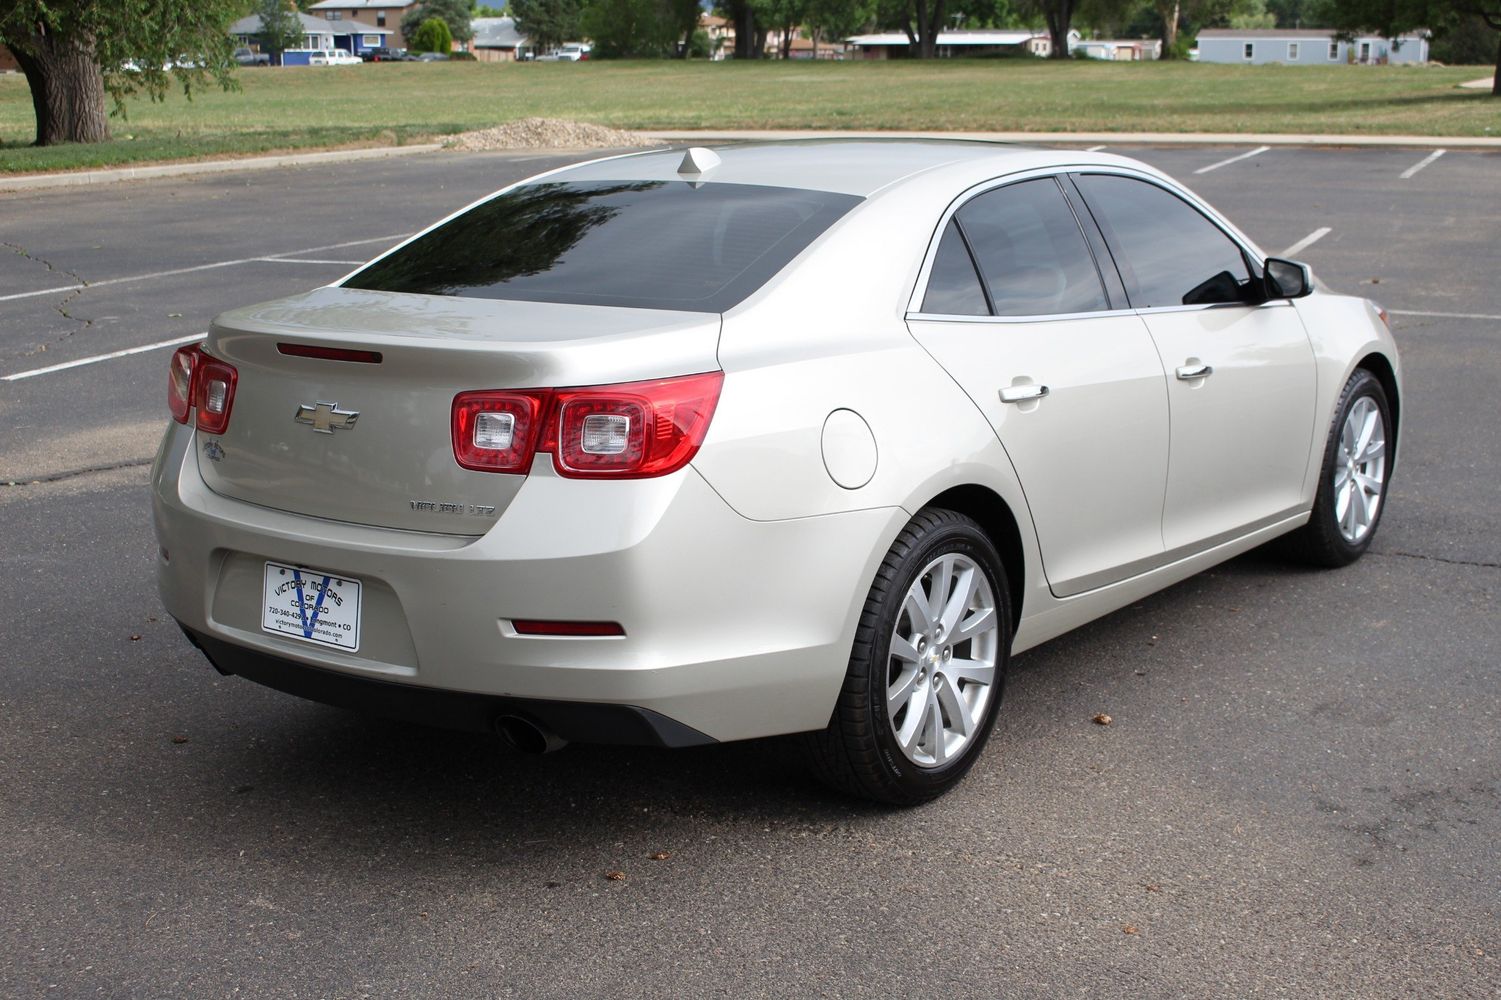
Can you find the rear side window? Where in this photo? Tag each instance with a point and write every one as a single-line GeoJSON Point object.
{"type": "Point", "coordinates": [643, 244]}
{"type": "Point", "coordinates": [954, 286]}
{"type": "Point", "coordinates": [1031, 251]}
{"type": "Point", "coordinates": [1171, 254]}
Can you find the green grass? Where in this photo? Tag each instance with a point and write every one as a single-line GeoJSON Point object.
{"type": "Point", "coordinates": [311, 108]}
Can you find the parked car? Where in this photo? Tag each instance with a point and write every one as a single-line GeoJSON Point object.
{"type": "Point", "coordinates": [571, 52]}
{"type": "Point", "coordinates": [683, 447]}
{"type": "Point", "coordinates": [333, 57]}
{"type": "Point", "coordinates": [387, 55]}
{"type": "Point", "coordinates": [248, 57]}
{"type": "Point", "coordinates": [433, 57]}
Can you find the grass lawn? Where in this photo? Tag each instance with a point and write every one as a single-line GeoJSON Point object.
{"type": "Point", "coordinates": [389, 103]}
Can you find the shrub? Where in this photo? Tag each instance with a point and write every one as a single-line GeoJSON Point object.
{"type": "Point", "coordinates": [432, 36]}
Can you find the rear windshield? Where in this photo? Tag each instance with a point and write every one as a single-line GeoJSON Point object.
{"type": "Point", "coordinates": [644, 244]}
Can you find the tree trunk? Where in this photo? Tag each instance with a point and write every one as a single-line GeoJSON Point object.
{"type": "Point", "coordinates": [1060, 17]}
{"type": "Point", "coordinates": [67, 87]}
{"type": "Point", "coordinates": [1496, 81]}
{"type": "Point", "coordinates": [745, 29]}
{"type": "Point", "coordinates": [1170, 13]}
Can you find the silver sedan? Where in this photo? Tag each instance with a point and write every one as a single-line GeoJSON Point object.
{"type": "Point", "coordinates": [689, 446]}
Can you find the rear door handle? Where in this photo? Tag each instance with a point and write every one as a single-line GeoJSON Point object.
{"type": "Point", "coordinates": [1190, 372]}
{"type": "Point", "coordinates": [1022, 393]}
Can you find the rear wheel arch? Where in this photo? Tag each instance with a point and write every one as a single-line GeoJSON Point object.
{"type": "Point", "coordinates": [995, 516]}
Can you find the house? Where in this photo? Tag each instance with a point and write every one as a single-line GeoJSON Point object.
{"type": "Point", "coordinates": [896, 44]}
{"type": "Point", "coordinates": [1308, 47]}
{"type": "Point", "coordinates": [319, 35]}
{"type": "Point", "coordinates": [1120, 50]}
{"type": "Point", "coordinates": [721, 32]}
{"type": "Point", "coordinates": [380, 13]}
{"type": "Point", "coordinates": [497, 40]}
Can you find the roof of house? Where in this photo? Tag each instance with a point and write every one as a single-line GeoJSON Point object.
{"type": "Point", "coordinates": [496, 33]}
{"type": "Point", "coordinates": [1291, 34]}
{"type": "Point", "coordinates": [358, 4]}
{"type": "Point", "coordinates": [311, 26]}
{"type": "Point", "coordinates": [949, 38]}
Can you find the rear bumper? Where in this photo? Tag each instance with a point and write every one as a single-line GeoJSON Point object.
{"type": "Point", "coordinates": [577, 722]}
{"type": "Point", "coordinates": [735, 628]}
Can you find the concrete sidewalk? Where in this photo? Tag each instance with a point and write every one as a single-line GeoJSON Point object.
{"type": "Point", "coordinates": [33, 182]}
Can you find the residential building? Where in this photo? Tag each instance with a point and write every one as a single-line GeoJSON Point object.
{"type": "Point", "coordinates": [1120, 49]}
{"type": "Point", "coordinates": [381, 13]}
{"type": "Point", "coordinates": [1308, 47]}
{"type": "Point", "coordinates": [319, 35]}
{"type": "Point", "coordinates": [497, 40]}
{"type": "Point", "coordinates": [949, 44]}
{"type": "Point", "coordinates": [721, 32]}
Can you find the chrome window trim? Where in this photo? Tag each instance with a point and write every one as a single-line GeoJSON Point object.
{"type": "Point", "coordinates": [914, 300]}
{"type": "Point", "coordinates": [1038, 318]}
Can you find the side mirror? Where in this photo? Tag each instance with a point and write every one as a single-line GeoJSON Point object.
{"type": "Point", "coordinates": [1287, 279]}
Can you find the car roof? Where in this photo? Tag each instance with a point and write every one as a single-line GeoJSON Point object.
{"type": "Point", "coordinates": [856, 166]}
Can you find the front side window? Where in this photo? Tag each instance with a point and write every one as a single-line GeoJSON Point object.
{"type": "Point", "coordinates": [642, 244]}
{"type": "Point", "coordinates": [1031, 252]}
{"type": "Point", "coordinates": [1168, 252]}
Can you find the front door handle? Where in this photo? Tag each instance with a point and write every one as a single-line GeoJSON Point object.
{"type": "Point", "coordinates": [1023, 393]}
{"type": "Point", "coordinates": [1188, 373]}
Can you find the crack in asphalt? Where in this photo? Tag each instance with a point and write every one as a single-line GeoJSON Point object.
{"type": "Point", "coordinates": [57, 477]}
{"type": "Point", "coordinates": [61, 307]}
{"type": "Point", "coordinates": [1441, 559]}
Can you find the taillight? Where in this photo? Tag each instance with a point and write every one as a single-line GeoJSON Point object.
{"type": "Point", "coordinates": [634, 430]}
{"type": "Point", "coordinates": [215, 394]}
{"type": "Point", "coordinates": [196, 380]}
{"type": "Point", "coordinates": [180, 381]}
{"type": "Point", "coordinates": [497, 431]}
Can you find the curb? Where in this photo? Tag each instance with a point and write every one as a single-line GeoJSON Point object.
{"type": "Point", "coordinates": [1101, 138]}
{"type": "Point", "coordinates": [77, 178]}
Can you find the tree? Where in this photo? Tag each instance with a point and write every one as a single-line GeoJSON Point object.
{"type": "Point", "coordinates": [1393, 18]}
{"type": "Point", "coordinates": [280, 27]}
{"type": "Point", "coordinates": [453, 13]}
{"type": "Point", "coordinates": [1059, 16]}
{"type": "Point", "coordinates": [836, 20]}
{"type": "Point", "coordinates": [75, 52]}
{"type": "Point", "coordinates": [432, 36]}
{"type": "Point", "coordinates": [547, 23]}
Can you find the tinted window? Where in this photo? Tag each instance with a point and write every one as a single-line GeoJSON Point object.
{"type": "Point", "coordinates": [1171, 255]}
{"type": "Point", "coordinates": [1031, 251]}
{"type": "Point", "coordinates": [647, 244]}
{"type": "Point", "coordinates": [954, 286]}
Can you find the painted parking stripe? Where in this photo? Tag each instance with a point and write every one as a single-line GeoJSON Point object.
{"type": "Point", "coordinates": [1422, 163]}
{"type": "Point", "coordinates": [304, 260]}
{"type": "Point", "coordinates": [1439, 315]}
{"type": "Point", "coordinates": [1307, 241]}
{"type": "Point", "coordinates": [199, 267]}
{"type": "Point", "coordinates": [178, 342]}
{"type": "Point", "coordinates": [1094, 149]}
{"type": "Point", "coordinates": [1234, 159]}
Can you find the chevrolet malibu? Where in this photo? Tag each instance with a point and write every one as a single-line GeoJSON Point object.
{"type": "Point", "coordinates": [689, 446]}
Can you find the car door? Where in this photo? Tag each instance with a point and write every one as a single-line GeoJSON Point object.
{"type": "Point", "coordinates": [1016, 309]}
{"type": "Point", "coordinates": [1240, 371]}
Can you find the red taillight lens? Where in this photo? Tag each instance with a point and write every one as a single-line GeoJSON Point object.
{"type": "Point", "coordinates": [180, 381]}
{"type": "Point", "coordinates": [497, 431]}
{"type": "Point", "coordinates": [537, 626]}
{"type": "Point", "coordinates": [634, 430]}
{"type": "Point", "coordinates": [214, 393]}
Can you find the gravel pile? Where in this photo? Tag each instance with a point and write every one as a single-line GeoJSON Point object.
{"type": "Point", "coordinates": [545, 133]}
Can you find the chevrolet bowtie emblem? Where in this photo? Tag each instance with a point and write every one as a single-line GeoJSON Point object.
{"type": "Point", "coordinates": [325, 418]}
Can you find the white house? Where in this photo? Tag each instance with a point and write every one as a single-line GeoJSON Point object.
{"type": "Point", "coordinates": [948, 44]}
{"type": "Point", "coordinates": [1308, 47]}
{"type": "Point", "coordinates": [318, 35]}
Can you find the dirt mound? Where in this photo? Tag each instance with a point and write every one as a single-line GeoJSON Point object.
{"type": "Point", "coordinates": [545, 133]}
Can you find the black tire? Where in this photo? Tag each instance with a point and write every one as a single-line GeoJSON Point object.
{"type": "Point", "coordinates": [858, 753]}
{"type": "Point", "coordinates": [1320, 542]}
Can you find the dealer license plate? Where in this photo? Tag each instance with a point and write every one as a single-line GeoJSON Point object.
{"type": "Point", "coordinates": [311, 605]}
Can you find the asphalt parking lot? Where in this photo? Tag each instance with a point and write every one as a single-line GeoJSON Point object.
{"type": "Point", "coordinates": [1300, 794]}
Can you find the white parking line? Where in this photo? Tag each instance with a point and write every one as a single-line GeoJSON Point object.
{"type": "Point", "coordinates": [1234, 159]}
{"type": "Point", "coordinates": [200, 267]}
{"type": "Point", "coordinates": [1307, 241]}
{"type": "Point", "coordinates": [1094, 149]}
{"type": "Point", "coordinates": [1439, 315]}
{"type": "Point", "coordinates": [1422, 163]}
{"type": "Point", "coordinates": [178, 342]}
{"type": "Point", "coordinates": [304, 260]}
